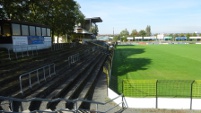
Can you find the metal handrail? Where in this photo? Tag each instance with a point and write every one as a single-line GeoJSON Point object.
{"type": "Point", "coordinates": [101, 103]}
{"type": "Point", "coordinates": [22, 48]}
{"type": "Point", "coordinates": [73, 58]}
{"type": "Point", "coordinates": [38, 79]}
{"type": "Point", "coordinates": [11, 99]}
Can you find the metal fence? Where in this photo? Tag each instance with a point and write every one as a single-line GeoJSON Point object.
{"type": "Point", "coordinates": [36, 76]}
{"type": "Point", "coordinates": [162, 88]}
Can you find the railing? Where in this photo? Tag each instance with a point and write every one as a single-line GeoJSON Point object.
{"type": "Point", "coordinates": [73, 58]}
{"type": "Point", "coordinates": [122, 103]}
{"type": "Point", "coordinates": [23, 50]}
{"type": "Point", "coordinates": [7, 104]}
{"type": "Point", "coordinates": [57, 46]}
{"type": "Point", "coordinates": [30, 75]}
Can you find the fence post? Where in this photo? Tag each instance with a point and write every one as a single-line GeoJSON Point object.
{"type": "Point", "coordinates": [49, 70]}
{"type": "Point", "coordinates": [38, 77]}
{"type": "Point", "coordinates": [30, 84]}
{"type": "Point", "coordinates": [123, 87]}
{"type": "Point", "coordinates": [21, 90]}
{"type": "Point", "coordinates": [11, 105]}
{"type": "Point", "coordinates": [9, 53]}
{"type": "Point", "coordinates": [156, 94]}
{"type": "Point", "coordinates": [44, 73]}
{"type": "Point", "coordinates": [122, 97]}
{"type": "Point", "coordinates": [96, 108]}
{"type": "Point", "coordinates": [191, 101]}
{"type": "Point", "coordinates": [75, 105]}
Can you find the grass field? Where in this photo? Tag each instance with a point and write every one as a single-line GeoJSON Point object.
{"type": "Point", "coordinates": [161, 62]}
{"type": "Point", "coordinates": [164, 62]}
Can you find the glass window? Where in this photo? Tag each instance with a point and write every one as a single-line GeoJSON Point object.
{"type": "Point", "coordinates": [44, 33]}
{"type": "Point", "coordinates": [32, 30]}
{"type": "Point", "coordinates": [38, 31]}
{"type": "Point", "coordinates": [6, 30]}
{"type": "Point", "coordinates": [16, 29]}
{"type": "Point", "coordinates": [25, 30]}
{"type": "Point", "coordinates": [48, 32]}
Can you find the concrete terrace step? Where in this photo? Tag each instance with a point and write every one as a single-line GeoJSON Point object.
{"type": "Point", "coordinates": [56, 87]}
{"type": "Point", "coordinates": [47, 88]}
{"type": "Point", "coordinates": [13, 78]}
{"type": "Point", "coordinates": [88, 90]}
{"type": "Point", "coordinates": [80, 82]}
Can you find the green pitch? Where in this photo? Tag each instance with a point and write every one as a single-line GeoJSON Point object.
{"type": "Point", "coordinates": [157, 62]}
{"type": "Point", "coordinates": [164, 62]}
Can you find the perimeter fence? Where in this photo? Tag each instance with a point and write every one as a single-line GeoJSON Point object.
{"type": "Point", "coordinates": [157, 88]}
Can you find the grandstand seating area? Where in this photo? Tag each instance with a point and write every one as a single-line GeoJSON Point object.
{"type": "Point", "coordinates": [69, 71]}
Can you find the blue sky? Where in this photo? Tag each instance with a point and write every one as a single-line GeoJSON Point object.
{"type": "Point", "coordinates": [164, 16]}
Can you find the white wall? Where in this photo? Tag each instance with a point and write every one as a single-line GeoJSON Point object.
{"type": "Point", "coordinates": [163, 103]}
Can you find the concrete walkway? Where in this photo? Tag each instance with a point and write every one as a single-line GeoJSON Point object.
{"type": "Point", "coordinates": [100, 95]}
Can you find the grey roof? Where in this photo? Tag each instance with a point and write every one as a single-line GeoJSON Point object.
{"type": "Point", "coordinates": [94, 19]}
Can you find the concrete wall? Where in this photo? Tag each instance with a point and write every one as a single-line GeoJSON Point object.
{"type": "Point", "coordinates": [160, 103]}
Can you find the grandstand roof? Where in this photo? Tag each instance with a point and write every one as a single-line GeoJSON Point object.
{"type": "Point", "coordinates": [94, 19]}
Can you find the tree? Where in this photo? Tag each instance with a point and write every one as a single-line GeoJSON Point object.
{"type": "Point", "coordinates": [134, 33]}
{"type": "Point", "coordinates": [124, 33]}
{"type": "Point", "coordinates": [174, 36]}
{"type": "Point", "coordinates": [116, 38]}
{"type": "Point", "coordinates": [148, 30]}
{"type": "Point", "coordinates": [171, 35]}
{"type": "Point", "coordinates": [188, 35]}
{"type": "Point", "coordinates": [181, 35]}
{"type": "Point", "coordinates": [142, 33]}
{"type": "Point", "coordinates": [60, 15]}
{"type": "Point", "coordinates": [194, 34]}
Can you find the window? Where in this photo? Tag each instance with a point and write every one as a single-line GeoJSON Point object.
{"type": "Point", "coordinates": [25, 30]}
{"type": "Point", "coordinates": [16, 29]}
{"type": "Point", "coordinates": [6, 30]}
{"type": "Point", "coordinates": [38, 31]}
{"type": "Point", "coordinates": [32, 30]}
{"type": "Point", "coordinates": [48, 32]}
{"type": "Point", "coordinates": [44, 33]}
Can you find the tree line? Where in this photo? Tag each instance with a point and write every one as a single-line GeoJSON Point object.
{"type": "Point", "coordinates": [147, 32]}
{"type": "Point", "coordinates": [125, 33]}
{"type": "Point", "coordinates": [60, 15]}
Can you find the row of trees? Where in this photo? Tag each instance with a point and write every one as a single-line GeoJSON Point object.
{"type": "Point", "coordinates": [60, 15]}
{"type": "Point", "coordinates": [125, 33]}
{"type": "Point", "coordinates": [147, 32]}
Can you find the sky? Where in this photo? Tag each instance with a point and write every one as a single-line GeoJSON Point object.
{"type": "Point", "coordinates": [164, 16]}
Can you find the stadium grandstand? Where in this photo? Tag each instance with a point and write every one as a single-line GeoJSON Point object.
{"type": "Point", "coordinates": [40, 76]}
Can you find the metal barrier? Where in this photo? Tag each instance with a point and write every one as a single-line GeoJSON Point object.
{"type": "Point", "coordinates": [73, 58]}
{"type": "Point", "coordinates": [10, 106]}
{"type": "Point", "coordinates": [51, 71]}
{"type": "Point", "coordinates": [58, 46]}
{"type": "Point", "coordinates": [24, 50]}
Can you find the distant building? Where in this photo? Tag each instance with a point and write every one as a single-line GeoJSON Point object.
{"type": "Point", "coordinates": [82, 31]}
{"type": "Point", "coordinates": [130, 38]}
{"type": "Point", "coordinates": [160, 37]}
